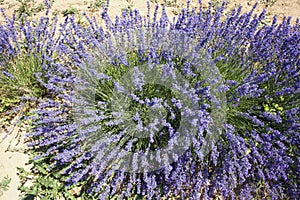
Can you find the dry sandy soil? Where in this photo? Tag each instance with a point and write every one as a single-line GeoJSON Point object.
{"type": "Point", "coordinates": [279, 7]}
{"type": "Point", "coordinates": [12, 148]}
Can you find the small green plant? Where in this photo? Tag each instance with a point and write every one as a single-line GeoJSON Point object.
{"type": "Point", "coordinates": [40, 7]}
{"type": "Point", "coordinates": [175, 11]}
{"type": "Point", "coordinates": [47, 185]}
{"type": "Point", "coordinates": [268, 3]}
{"type": "Point", "coordinates": [70, 11]}
{"type": "Point", "coordinates": [99, 3]}
{"type": "Point", "coordinates": [218, 3]}
{"type": "Point", "coordinates": [171, 3]}
{"type": "Point", "coordinates": [24, 8]}
{"type": "Point", "coordinates": [28, 8]}
{"type": "Point", "coordinates": [55, 12]}
{"type": "Point", "coordinates": [81, 20]}
{"type": "Point", "coordinates": [96, 4]}
{"type": "Point", "coordinates": [44, 185]}
{"type": "Point", "coordinates": [4, 184]}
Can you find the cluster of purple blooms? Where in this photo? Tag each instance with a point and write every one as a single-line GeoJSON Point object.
{"type": "Point", "coordinates": [257, 153]}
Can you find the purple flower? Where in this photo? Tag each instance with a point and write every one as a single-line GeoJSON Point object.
{"type": "Point", "coordinates": [81, 129]}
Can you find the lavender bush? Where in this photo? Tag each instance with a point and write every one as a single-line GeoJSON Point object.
{"type": "Point", "coordinates": [198, 107]}
{"type": "Point", "coordinates": [23, 47]}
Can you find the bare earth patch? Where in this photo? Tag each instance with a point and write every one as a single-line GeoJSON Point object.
{"type": "Point", "coordinates": [280, 8]}
{"type": "Point", "coordinates": [12, 155]}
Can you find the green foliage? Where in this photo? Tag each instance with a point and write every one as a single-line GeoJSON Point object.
{"type": "Point", "coordinates": [104, 92]}
{"type": "Point", "coordinates": [24, 8]}
{"type": "Point", "coordinates": [7, 103]}
{"type": "Point", "coordinates": [55, 12]}
{"type": "Point", "coordinates": [70, 11]}
{"type": "Point", "coordinates": [217, 3]}
{"type": "Point", "coordinates": [44, 185]}
{"type": "Point", "coordinates": [171, 3]}
{"type": "Point", "coordinates": [96, 4]}
{"type": "Point", "coordinates": [268, 3]}
{"type": "Point", "coordinates": [40, 7]}
{"type": "Point", "coordinates": [28, 8]}
{"type": "Point", "coordinates": [4, 184]}
{"type": "Point", "coordinates": [154, 1]}
{"type": "Point", "coordinates": [22, 83]}
{"type": "Point", "coordinates": [81, 20]}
